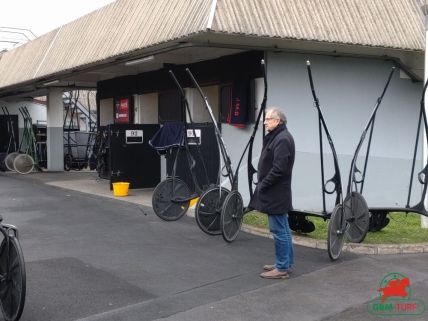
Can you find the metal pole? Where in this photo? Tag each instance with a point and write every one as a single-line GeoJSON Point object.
{"type": "Point", "coordinates": [424, 8]}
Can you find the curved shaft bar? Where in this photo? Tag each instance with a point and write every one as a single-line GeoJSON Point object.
{"type": "Point", "coordinates": [336, 179]}
{"type": "Point", "coordinates": [423, 174]}
{"type": "Point", "coordinates": [220, 142]}
{"type": "Point", "coordinates": [190, 159]}
{"type": "Point", "coordinates": [250, 168]}
{"type": "Point", "coordinates": [352, 181]}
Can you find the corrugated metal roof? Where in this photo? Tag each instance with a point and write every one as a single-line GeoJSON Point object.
{"type": "Point", "coordinates": [119, 28]}
{"type": "Point", "coordinates": [381, 23]}
{"type": "Point", "coordinates": [126, 26]}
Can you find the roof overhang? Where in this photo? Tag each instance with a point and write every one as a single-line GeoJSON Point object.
{"type": "Point", "coordinates": [200, 47]}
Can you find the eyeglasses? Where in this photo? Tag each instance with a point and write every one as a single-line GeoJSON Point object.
{"type": "Point", "coordinates": [270, 118]}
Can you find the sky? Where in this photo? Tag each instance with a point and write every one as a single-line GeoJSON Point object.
{"type": "Point", "coordinates": [40, 16]}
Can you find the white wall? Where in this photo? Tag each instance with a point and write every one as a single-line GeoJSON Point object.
{"type": "Point", "coordinates": [197, 105]}
{"type": "Point", "coordinates": [347, 89]}
{"type": "Point", "coordinates": [146, 108]}
{"type": "Point", "coordinates": [106, 111]}
{"type": "Point", "coordinates": [36, 110]}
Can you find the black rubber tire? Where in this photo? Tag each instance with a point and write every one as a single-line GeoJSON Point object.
{"type": "Point", "coordinates": [231, 216]}
{"type": "Point", "coordinates": [13, 287]}
{"type": "Point", "coordinates": [208, 209]}
{"type": "Point", "coordinates": [357, 215]}
{"type": "Point", "coordinates": [336, 233]}
{"type": "Point", "coordinates": [162, 202]}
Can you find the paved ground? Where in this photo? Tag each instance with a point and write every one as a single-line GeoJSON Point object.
{"type": "Point", "coordinates": [95, 258]}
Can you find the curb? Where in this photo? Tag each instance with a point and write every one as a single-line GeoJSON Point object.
{"type": "Point", "coordinates": [371, 249]}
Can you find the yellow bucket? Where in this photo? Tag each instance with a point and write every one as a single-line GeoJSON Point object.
{"type": "Point", "coordinates": [120, 189]}
{"type": "Point", "coordinates": [193, 201]}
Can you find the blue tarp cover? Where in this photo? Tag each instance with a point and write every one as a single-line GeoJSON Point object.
{"type": "Point", "coordinates": [170, 135]}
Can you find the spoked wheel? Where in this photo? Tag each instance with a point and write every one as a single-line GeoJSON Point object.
{"type": "Point", "coordinates": [8, 161]}
{"type": "Point", "coordinates": [13, 283]}
{"type": "Point", "coordinates": [68, 162]}
{"type": "Point", "coordinates": [23, 164]}
{"type": "Point", "coordinates": [100, 167]}
{"type": "Point", "coordinates": [208, 209]}
{"type": "Point", "coordinates": [231, 216]}
{"type": "Point", "coordinates": [171, 199]}
{"type": "Point", "coordinates": [336, 232]}
{"type": "Point", "coordinates": [357, 215]}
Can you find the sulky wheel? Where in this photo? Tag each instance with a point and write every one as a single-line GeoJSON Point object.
{"type": "Point", "coordinates": [208, 209]}
{"type": "Point", "coordinates": [231, 216]}
{"type": "Point", "coordinates": [336, 232]}
{"type": "Point", "coordinates": [68, 162]}
{"type": "Point", "coordinates": [357, 215]}
{"type": "Point", "coordinates": [8, 161]}
{"type": "Point", "coordinates": [13, 282]}
{"type": "Point", "coordinates": [171, 199]}
{"type": "Point", "coordinates": [23, 163]}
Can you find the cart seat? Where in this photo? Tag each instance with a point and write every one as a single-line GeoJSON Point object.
{"type": "Point", "coordinates": [170, 135]}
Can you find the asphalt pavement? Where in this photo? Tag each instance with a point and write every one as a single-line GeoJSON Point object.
{"type": "Point", "coordinates": [90, 257]}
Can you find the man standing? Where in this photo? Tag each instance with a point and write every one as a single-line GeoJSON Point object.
{"type": "Point", "coordinates": [273, 192]}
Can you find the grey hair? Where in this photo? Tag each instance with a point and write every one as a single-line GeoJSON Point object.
{"type": "Point", "coordinates": [277, 114]}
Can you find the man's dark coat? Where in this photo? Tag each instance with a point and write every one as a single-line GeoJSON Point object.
{"type": "Point", "coordinates": [273, 192]}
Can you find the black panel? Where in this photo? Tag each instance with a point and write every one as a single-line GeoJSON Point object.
{"type": "Point", "coordinates": [225, 102]}
{"type": "Point", "coordinates": [120, 86]}
{"type": "Point", "coordinates": [136, 163]}
{"type": "Point", "coordinates": [5, 135]}
{"type": "Point", "coordinates": [170, 106]}
{"type": "Point", "coordinates": [217, 71]}
{"type": "Point", "coordinates": [209, 154]}
{"type": "Point", "coordinates": [236, 69]}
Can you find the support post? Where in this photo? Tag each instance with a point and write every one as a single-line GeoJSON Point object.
{"type": "Point", "coordinates": [55, 119]}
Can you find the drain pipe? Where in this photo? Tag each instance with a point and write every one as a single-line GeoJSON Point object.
{"type": "Point", "coordinates": [424, 8]}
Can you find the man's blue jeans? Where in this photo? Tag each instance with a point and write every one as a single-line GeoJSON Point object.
{"type": "Point", "coordinates": [284, 253]}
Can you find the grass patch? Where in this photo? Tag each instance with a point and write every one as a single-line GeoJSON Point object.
{"type": "Point", "coordinates": [402, 229]}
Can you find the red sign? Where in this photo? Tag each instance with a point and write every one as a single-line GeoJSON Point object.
{"type": "Point", "coordinates": [122, 111]}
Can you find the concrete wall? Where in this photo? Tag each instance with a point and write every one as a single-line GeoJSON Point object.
{"type": "Point", "coordinates": [197, 107]}
{"type": "Point", "coordinates": [236, 140]}
{"type": "Point", "coordinates": [347, 89]}
{"type": "Point", "coordinates": [146, 108]}
{"type": "Point", "coordinates": [37, 112]}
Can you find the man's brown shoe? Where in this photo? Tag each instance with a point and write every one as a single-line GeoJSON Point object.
{"type": "Point", "coordinates": [270, 267]}
{"type": "Point", "coordinates": [275, 274]}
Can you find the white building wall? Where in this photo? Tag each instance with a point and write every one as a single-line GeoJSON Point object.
{"type": "Point", "coordinates": [146, 108]}
{"type": "Point", "coordinates": [36, 110]}
{"type": "Point", "coordinates": [347, 89]}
